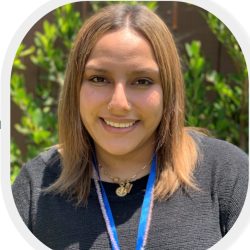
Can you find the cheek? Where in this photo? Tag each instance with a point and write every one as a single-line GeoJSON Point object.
{"type": "Point", "coordinates": [155, 102]}
{"type": "Point", "coordinates": [92, 101]}
{"type": "Point", "coordinates": [87, 103]}
{"type": "Point", "coordinates": [153, 109]}
{"type": "Point", "coordinates": [86, 95]}
{"type": "Point", "coordinates": [89, 99]}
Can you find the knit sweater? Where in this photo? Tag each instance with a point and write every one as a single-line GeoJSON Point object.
{"type": "Point", "coordinates": [188, 220]}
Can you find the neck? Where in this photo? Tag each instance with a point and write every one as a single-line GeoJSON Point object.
{"type": "Point", "coordinates": [125, 166]}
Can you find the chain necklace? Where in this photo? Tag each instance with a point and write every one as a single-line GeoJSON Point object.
{"type": "Point", "coordinates": [125, 186]}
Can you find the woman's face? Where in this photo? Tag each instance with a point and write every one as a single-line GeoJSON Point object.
{"type": "Point", "coordinates": [121, 98]}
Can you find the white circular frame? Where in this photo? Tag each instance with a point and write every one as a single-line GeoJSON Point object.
{"type": "Point", "coordinates": [210, 5]}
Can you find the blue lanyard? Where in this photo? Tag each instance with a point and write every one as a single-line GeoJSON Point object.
{"type": "Point", "coordinates": [146, 211]}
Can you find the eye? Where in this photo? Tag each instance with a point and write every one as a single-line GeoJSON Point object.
{"type": "Point", "coordinates": [143, 82]}
{"type": "Point", "coordinates": [98, 79]}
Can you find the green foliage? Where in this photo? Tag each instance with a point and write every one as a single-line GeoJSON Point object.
{"type": "Point", "coordinates": [49, 53]}
{"type": "Point", "coordinates": [216, 101]}
{"type": "Point", "coordinates": [16, 161]}
{"type": "Point", "coordinates": [194, 79]}
{"type": "Point", "coordinates": [239, 80]}
{"type": "Point", "coordinates": [22, 52]}
{"type": "Point", "coordinates": [228, 40]}
{"type": "Point", "coordinates": [212, 99]}
{"type": "Point", "coordinates": [53, 44]}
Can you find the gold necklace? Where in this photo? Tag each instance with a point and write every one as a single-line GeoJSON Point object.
{"type": "Point", "coordinates": [125, 186]}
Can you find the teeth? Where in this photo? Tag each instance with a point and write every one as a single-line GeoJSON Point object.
{"type": "Point", "coordinates": [119, 125]}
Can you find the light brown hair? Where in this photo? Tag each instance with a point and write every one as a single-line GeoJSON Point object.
{"type": "Point", "coordinates": [176, 150]}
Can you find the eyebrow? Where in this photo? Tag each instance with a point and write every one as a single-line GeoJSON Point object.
{"type": "Point", "coordinates": [135, 71]}
{"type": "Point", "coordinates": [96, 69]}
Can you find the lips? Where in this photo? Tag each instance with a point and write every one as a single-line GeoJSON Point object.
{"type": "Point", "coordinates": [119, 124]}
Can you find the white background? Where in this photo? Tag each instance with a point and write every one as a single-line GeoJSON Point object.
{"type": "Point", "coordinates": [12, 15]}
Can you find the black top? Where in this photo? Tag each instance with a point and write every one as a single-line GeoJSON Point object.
{"type": "Point", "coordinates": [189, 220]}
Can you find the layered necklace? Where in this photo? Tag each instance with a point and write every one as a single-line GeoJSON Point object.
{"type": "Point", "coordinates": [125, 185]}
{"type": "Point", "coordinates": [146, 211]}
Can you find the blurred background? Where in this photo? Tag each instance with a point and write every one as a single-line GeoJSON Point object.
{"type": "Point", "coordinates": [214, 69]}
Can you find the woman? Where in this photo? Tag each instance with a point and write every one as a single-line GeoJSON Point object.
{"type": "Point", "coordinates": [127, 173]}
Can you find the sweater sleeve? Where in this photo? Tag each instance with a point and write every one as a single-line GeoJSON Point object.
{"type": "Point", "coordinates": [21, 190]}
{"type": "Point", "coordinates": [232, 185]}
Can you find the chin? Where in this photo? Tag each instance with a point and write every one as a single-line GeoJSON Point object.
{"type": "Point", "coordinates": [118, 151]}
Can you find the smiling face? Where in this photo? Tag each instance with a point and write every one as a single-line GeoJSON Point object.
{"type": "Point", "coordinates": [121, 98]}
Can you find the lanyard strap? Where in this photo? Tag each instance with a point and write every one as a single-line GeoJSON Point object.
{"type": "Point", "coordinates": [146, 212]}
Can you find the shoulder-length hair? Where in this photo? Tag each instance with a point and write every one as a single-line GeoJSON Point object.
{"type": "Point", "coordinates": [176, 150]}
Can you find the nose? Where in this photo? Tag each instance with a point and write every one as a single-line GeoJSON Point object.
{"type": "Point", "coordinates": [119, 102]}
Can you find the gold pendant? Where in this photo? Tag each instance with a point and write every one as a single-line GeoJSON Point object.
{"type": "Point", "coordinates": [123, 190]}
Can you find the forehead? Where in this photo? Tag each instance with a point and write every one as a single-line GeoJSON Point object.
{"type": "Point", "coordinates": [123, 46]}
